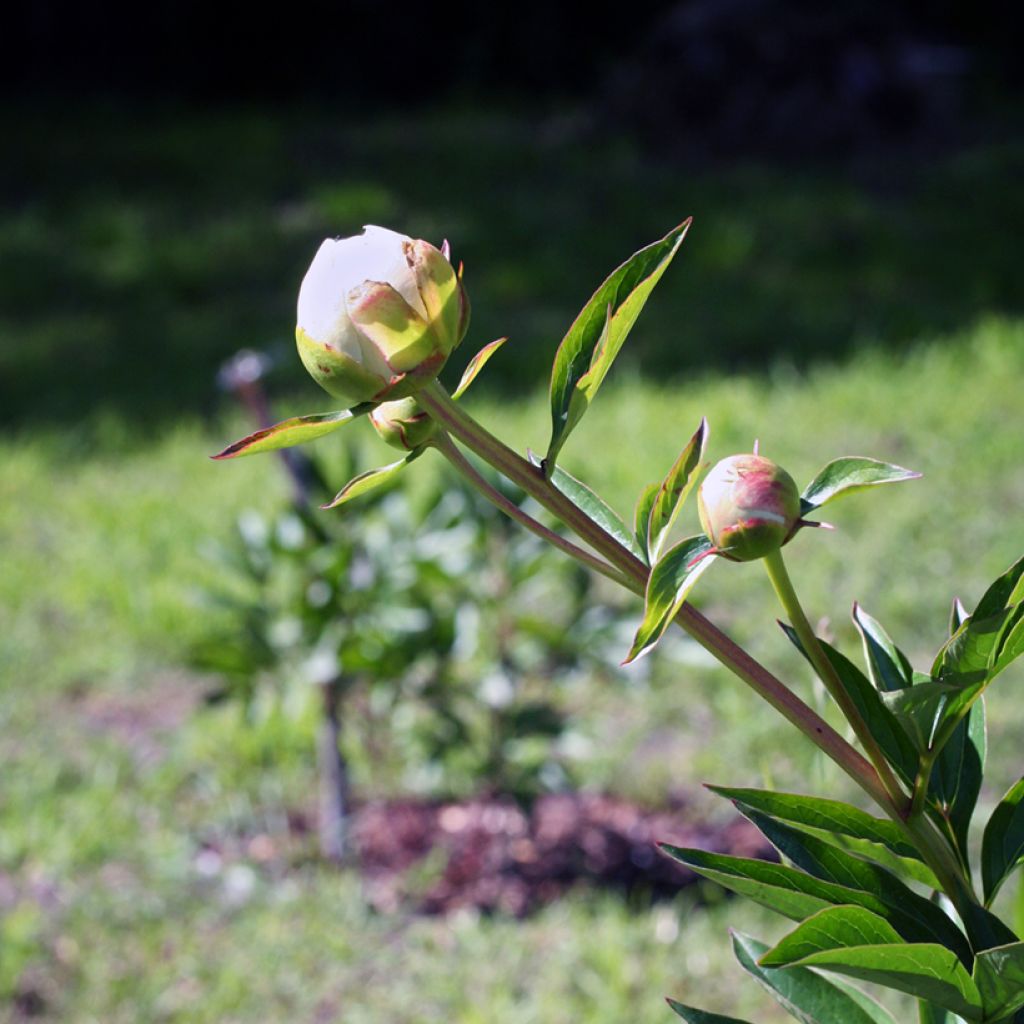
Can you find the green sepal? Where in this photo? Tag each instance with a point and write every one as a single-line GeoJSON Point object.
{"type": "Point", "coordinates": [596, 336]}
{"type": "Point", "coordinates": [888, 666]}
{"type": "Point", "coordinates": [371, 480]}
{"type": "Point", "coordinates": [288, 433]}
{"type": "Point", "coordinates": [593, 505]}
{"type": "Point", "coordinates": [476, 364]}
{"type": "Point", "coordinates": [805, 994]}
{"type": "Point", "coordinates": [846, 476]}
{"type": "Point", "coordinates": [673, 491]}
{"type": "Point", "coordinates": [894, 742]}
{"type": "Point", "coordinates": [694, 1016]}
{"type": "Point", "coordinates": [1002, 846]}
{"type": "Point", "coordinates": [668, 586]}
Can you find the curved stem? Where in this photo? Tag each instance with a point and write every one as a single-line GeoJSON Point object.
{"type": "Point", "coordinates": [444, 444]}
{"type": "Point", "coordinates": [776, 567]}
{"type": "Point", "coordinates": [436, 401]}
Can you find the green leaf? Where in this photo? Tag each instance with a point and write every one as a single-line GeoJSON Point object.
{"type": "Point", "coordinates": [593, 505]}
{"type": "Point", "coordinates": [806, 995]}
{"type": "Point", "coordinates": [887, 664]}
{"type": "Point", "coordinates": [848, 475]}
{"type": "Point", "coordinates": [1002, 846]}
{"type": "Point", "coordinates": [674, 490]}
{"type": "Point", "coordinates": [694, 1016]}
{"type": "Point", "coordinates": [999, 975]}
{"type": "Point", "coordinates": [894, 742]}
{"type": "Point", "coordinates": [914, 917]}
{"type": "Point", "coordinates": [287, 433]}
{"type": "Point", "coordinates": [784, 889]}
{"type": "Point", "coordinates": [476, 364]}
{"type": "Point", "coordinates": [595, 337]}
{"type": "Point", "coordinates": [957, 615]}
{"type": "Point", "coordinates": [972, 652]}
{"type": "Point", "coordinates": [1011, 645]}
{"type": "Point", "coordinates": [642, 516]}
{"type": "Point", "coordinates": [1005, 590]}
{"type": "Point", "coordinates": [831, 928]}
{"type": "Point", "coordinates": [955, 781]}
{"type": "Point", "coordinates": [841, 824]}
{"type": "Point", "coordinates": [371, 480]}
{"type": "Point", "coordinates": [925, 970]}
{"type": "Point", "coordinates": [923, 708]}
{"type": "Point", "coordinates": [668, 585]}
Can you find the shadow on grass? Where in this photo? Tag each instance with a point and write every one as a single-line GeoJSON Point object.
{"type": "Point", "coordinates": [139, 248]}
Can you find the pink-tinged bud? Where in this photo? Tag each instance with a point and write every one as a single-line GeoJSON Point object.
{"type": "Point", "coordinates": [378, 315]}
{"type": "Point", "coordinates": [748, 507]}
{"type": "Point", "coordinates": [403, 424]}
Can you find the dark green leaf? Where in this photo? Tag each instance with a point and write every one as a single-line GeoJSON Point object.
{"type": "Point", "coordinates": [999, 975]}
{"type": "Point", "coordinates": [955, 781]}
{"type": "Point", "coordinates": [694, 1016]}
{"type": "Point", "coordinates": [1011, 644]}
{"type": "Point", "coordinates": [371, 479]}
{"type": "Point", "coordinates": [847, 475]}
{"type": "Point", "coordinates": [836, 818]}
{"type": "Point", "coordinates": [806, 995]}
{"type": "Point", "coordinates": [642, 516]}
{"type": "Point", "coordinates": [1002, 847]}
{"type": "Point", "coordinates": [923, 708]}
{"type": "Point", "coordinates": [925, 970]}
{"type": "Point", "coordinates": [831, 928]}
{"type": "Point", "coordinates": [593, 341]}
{"type": "Point", "coordinates": [889, 734]}
{"type": "Point", "coordinates": [476, 364]}
{"type": "Point", "coordinates": [887, 664]}
{"type": "Point", "coordinates": [287, 433]}
{"type": "Point", "coordinates": [674, 490]}
{"type": "Point", "coordinates": [668, 585]}
{"type": "Point", "coordinates": [595, 507]}
{"type": "Point", "coordinates": [784, 889]}
{"type": "Point", "coordinates": [914, 917]}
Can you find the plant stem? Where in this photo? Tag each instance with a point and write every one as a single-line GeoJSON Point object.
{"type": "Point", "coordinates": [776, 567]}
{"type": "Point", "coordinates": [444, 444]}
{"type": "Point", "coordinates": [436, 401]}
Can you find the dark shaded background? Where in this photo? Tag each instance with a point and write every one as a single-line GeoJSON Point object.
{"type": "Point", "coordinates": [170, 168]}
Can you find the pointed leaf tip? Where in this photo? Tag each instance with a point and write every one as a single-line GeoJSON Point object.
{"type": "Point", "coordinates": [850, 474]}
{"type": "Point", "coordinates": [476, 364]}
{"type": "Point", "coordinates": [290, 432]}
{"type": "Point", "coordinates": [597, 334]}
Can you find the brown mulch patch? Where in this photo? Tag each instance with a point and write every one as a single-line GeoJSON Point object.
{"type": "Point", "coordinates": [490, 855]}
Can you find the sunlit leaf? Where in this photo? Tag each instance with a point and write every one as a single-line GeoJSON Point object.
{"type": "Point", "coordinates": [642, 516]}
{"type": "Point", "coordinates": [476, 364]}
{"type": "Point", "coordinates": [596, 336]}
{"type": "Point", "coordinates": [371, 480]}
{"type": "Point", "coordinates": [674, 490]}
{"type": "Point", "coordinates": [846, 476]}
{"type": "Point", "coordinates": [668, 585]}
{"type": "Point", "coordinates": [887, 664]}
{"type": "Point", "coordinates": [805, 994]}
{"type": "Point", "coordinates": [297, 430]}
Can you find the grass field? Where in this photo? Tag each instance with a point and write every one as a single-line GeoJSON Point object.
{"type": "Point", "coordinates": [113, 785]}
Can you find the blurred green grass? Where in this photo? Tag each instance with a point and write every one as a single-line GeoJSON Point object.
{"type": "Point", "coordinates": [139, 248]}
{"type": "Point", "coordinates": [135, 253]}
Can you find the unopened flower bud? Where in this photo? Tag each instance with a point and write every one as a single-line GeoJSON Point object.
{"type": "Point", "coordinates": [748, 507]}
{"type": "Point", "coordinates": [403, 424]}
{"type": "Point", "coordinates": [378, 315]}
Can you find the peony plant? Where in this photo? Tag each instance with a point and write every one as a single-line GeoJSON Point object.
{"type": "Point", "coordinates": [888, 895]}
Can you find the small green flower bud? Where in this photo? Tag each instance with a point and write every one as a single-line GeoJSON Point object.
{"type": "Point", "coordinates": [403, 424]}
{"type": "Point", "coordinates": [748, 507]}
{"type": "Point", "coordinates": [378, 315]}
